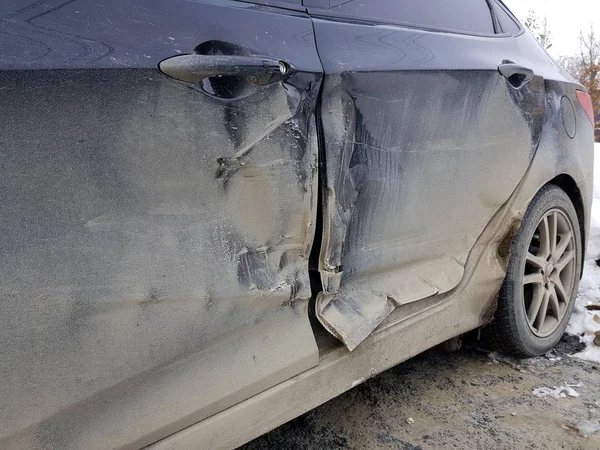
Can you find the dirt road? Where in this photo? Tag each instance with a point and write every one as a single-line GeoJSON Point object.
{"type": "Point", "coordinates": [464, 400]}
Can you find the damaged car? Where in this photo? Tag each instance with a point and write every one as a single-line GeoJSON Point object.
{"type": "Point", "coordinates": [216, 215]}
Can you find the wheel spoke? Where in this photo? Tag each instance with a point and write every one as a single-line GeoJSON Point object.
{"type": "Point", "coordinates": [535, 278]}
{"type": "Point", "coordinates": [536, 302]}
{"type": "Point", "coordinates": [541, 316]}
{"type": "Point", "coordinates": [554, 304]}
{"type": "Point", "coordinates": [560, 290]}
{"type": "Point", "coordinates": [544, 228]}
{"type": "Point", "coordinates": [565, 239]}
{"type": "Point", "coordinates": [536, 261]}
{"type": "Point", "coordinates": [553, 224]}
{"type": "Point", "coordinates": [566, 258]}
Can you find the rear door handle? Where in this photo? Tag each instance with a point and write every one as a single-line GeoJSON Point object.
{"type": "Point", "coordinates": [516, 75]}
{"type": "Point", "coordinates": [194, 68]}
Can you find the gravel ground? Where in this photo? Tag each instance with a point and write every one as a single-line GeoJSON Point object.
{"type": "Point", "coordinates": [470, 399]}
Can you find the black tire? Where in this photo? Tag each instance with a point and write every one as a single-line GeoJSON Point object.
{"type": "Point", "coordinates": [511, 330]}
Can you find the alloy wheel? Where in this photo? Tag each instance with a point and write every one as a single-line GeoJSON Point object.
{"type": "Point", "coordinates": [549, 273]}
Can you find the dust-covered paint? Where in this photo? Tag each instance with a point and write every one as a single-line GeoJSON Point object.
{"type": "Point", "coordinates": [413, 327]}
{"type": "Point", "coordinates": [154, 234]}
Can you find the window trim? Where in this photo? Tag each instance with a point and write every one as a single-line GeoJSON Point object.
{"type": "Point", "coordinates": [319, 9]}
{"type": "Point", "coordinates": [495, 22]}
{"type": "Point", "coordinates": [500, 4]}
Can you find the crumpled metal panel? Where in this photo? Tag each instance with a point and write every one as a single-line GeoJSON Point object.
{"type": "Point", "coordinates": [154, 235]}
{"type": "Point", "coordinates": [420, 155]}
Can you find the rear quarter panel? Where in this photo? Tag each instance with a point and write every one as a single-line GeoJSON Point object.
{"type": "Point", "coordinates": [567, 142]}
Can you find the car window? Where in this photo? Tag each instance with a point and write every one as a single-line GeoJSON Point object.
{"type": "Point", "coordinates": [469, 16]}
{"type": "Point", "coordinates": [507, 23]}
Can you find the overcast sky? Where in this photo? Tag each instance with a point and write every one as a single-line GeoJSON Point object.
{"type": "Point", "coordinates": [565, 19]}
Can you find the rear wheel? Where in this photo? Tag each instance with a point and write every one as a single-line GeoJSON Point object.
{"type": "Point", "coordinates": [538, 295]}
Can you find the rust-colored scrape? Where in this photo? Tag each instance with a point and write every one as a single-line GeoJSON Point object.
{"type": "Point", "coordinates": [506, 242]}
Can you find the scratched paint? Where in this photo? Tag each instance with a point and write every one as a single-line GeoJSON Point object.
{"type": "Point", "coordinates": [413, 147]}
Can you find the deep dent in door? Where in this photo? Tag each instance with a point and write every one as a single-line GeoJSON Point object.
{"type": "Point", "coordinates": [382, 143]}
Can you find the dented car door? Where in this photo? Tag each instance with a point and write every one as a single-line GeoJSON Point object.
{"type": "Point", "coordinates": [155, 228]}
{"type": "Point", "coordinates": [417, 120]}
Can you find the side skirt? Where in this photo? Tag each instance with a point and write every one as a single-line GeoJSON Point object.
{"type": "Point", "coordinates": [406, 333]}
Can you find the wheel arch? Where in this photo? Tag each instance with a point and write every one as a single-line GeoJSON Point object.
{"type": "Point", "coordinates": [569, 186]}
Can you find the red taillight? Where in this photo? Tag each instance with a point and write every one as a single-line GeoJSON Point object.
{"type": "Point", "coordinates": [586, 102]}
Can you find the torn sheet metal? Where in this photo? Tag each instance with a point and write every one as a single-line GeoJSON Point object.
{"type": "Point", "coordinates": [414, 145]}
{"type": "Point", "coordinates": [354, 310]}
{"type": "Point", "coordinates": [352, 315]}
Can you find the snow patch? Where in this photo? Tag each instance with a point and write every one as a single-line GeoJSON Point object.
{"type": "Point", "coordinates": [584, 322]}
{"type": "Point", "coordinates": [586, 428]}
{"type": "Point", "coordinates": [557, 392]}
{"type": "Point", "coordinates": [525, 364]}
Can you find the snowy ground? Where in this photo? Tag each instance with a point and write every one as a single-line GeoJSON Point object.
{"type": "Point", "coordinates": [585, 322]}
